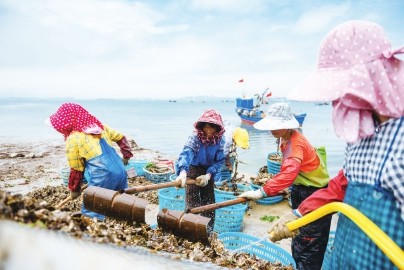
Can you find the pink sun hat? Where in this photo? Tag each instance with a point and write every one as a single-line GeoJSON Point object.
{"type": "Point", "coordinates": [354, 57]}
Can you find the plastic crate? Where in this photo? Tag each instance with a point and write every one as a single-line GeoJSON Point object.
{"type": "Point", "coordinates": [138, 165]}
{"type": "Point", "coordinates": [229, 218]}
{"type": "Point", "coordinates": [273, 166]}
{"type": "Point", "coordinates": [327, 254]}
{"type": "Point", "coordinates": [172, 198]}
{"type": "Point", "coordinates": [267, 200]}
{"type": "Point", "coordinates": [264, 249]}
{"type": "Point", "coordinates": [158, 177]}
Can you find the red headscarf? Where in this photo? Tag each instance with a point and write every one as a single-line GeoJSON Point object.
{"type": "Point", "coordinates": [213, 117]}
{"type": "Point", "coordinates": [72, 117]}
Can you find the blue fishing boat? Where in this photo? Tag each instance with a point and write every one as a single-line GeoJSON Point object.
{"type": "Point", "coordinates": [250, 113]}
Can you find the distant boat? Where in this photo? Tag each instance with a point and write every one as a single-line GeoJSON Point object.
{"type": "Point", "coordinates": [172, 100]}
{"type": "Point", "coordinates": [250, 114]}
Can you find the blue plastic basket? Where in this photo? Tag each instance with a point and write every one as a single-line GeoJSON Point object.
{"type": "Point", "coordinates": [270, 200]}
{"type": "Point", "coordinates": [158, 177]}
{"type": "Point", "coordinates": [273, 166]}
{"type": "Point", "coordinates": [225, 175]}
{"type": "Point", "coordinates": [264, 249]}
{"type": "Point", "coordinates": [239, 187]}
{"type": "Point", "coordinates": [267, 200]}
{"type": "Point", "coordinates": [255, 186]}
{"type": "Point", "coordinates": [65, 173]}
{"type": "Point", "coordinates": [229, 218]}
{"type": "Point", "coordinates": [138, 164]}
{"type": "Point", "coordinates": [327, 254]}
{"type": "Point", "coordinates": [172, 198]}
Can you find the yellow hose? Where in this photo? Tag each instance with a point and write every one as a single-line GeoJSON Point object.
{"type": "Point", "coordinates": [381, 239]}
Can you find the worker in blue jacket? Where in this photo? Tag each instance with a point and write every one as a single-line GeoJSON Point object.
{"type": "Point", "coordinates": [202, 158]}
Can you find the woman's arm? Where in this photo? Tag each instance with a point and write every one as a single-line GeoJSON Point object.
{"type": "Point", "coordinates": [335, 192]}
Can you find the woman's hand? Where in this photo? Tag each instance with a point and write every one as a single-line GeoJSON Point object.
{"type": "Point", "coordinates": [252, 194]}
{"type": "Point", "coordinates": [202, 180]}
{"type": "Point", "coordinates": [182, 177]}
{"type": "Point", "coordinates": [278, 229]}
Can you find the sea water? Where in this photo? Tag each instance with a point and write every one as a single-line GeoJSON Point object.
{"type": "Point", "coordinates": [165, 125]}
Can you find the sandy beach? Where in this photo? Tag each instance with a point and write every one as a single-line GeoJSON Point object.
{"type": "Point", "coordinates": [26, 167]}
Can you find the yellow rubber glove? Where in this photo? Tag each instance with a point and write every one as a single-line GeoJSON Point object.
{"type": "Point", "coordinates": [278, 230]}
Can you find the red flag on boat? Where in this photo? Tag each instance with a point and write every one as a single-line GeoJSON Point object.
{"type": "Point", "coordinates": [269, 94]}
{"type": "Point", "coordinates": [242, 80]}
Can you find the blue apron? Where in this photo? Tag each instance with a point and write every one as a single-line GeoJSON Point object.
{"type": "Point", "coordinates": [381, 208]}
{"type": "Point", "coordinates": [107, 171]}
{"type": "Point", "coordinates": [353, 249]}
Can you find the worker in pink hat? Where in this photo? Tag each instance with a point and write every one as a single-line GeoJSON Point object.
{"type": "Point", "coordinates": [89, 150]}
{"type": "Point", "coordinates": [202, 159]}
{"type": "Point", "coordinates": [358, 71]}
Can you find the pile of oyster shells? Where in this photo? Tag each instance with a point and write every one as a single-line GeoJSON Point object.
{"type": "Point", "coordinates": [231, 187]}
{"type": "Point", "coordinates": [262, 177]}
{"type": "Point", "coordinates": [37, 209]}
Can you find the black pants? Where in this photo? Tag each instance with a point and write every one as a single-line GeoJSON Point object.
{"type": "Point", "coordinates": [309, 246]}
{"type": "Point", "coordinates": [198, 196]}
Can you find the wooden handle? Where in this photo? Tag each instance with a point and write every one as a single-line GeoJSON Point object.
{"type": "Point", "coordinates": [214, 206]}
{"type": "Point", "coordinates": [68, 199]}
{"type": "Point", "coordinates": [59, 205]}
{"type": "Point", "coordinates": [156, 186]}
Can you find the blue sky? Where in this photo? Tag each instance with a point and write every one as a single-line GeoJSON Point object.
{"type": "Point", "coordinates": [170, 49]}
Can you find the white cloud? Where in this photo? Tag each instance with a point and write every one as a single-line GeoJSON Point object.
{"type": "Point", "coordinates": [317, 19]}
{"type": "Point", "coordinates": [105, 48]}
{"type": "Point", "coordinates": [229, 6]}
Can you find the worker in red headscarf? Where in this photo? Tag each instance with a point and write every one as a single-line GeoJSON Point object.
{"type": "Point", "coordinates": [202, 159]}
{"type": "Point", "coordinates": [88, 148]}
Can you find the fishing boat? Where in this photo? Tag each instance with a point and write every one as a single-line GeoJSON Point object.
{"type": "Point", "coordinates": [250, 113]}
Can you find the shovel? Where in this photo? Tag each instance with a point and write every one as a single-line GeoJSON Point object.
{"type": "Point", "coordinates": [188, 224]}
{"type": "Point", "coordinates": [120, 204]}
{"type": "Point", "coordinates": [68, 199]}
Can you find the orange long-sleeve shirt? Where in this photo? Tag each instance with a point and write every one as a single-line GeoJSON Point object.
{"type": "Point", "coordinates": [297, 148]}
